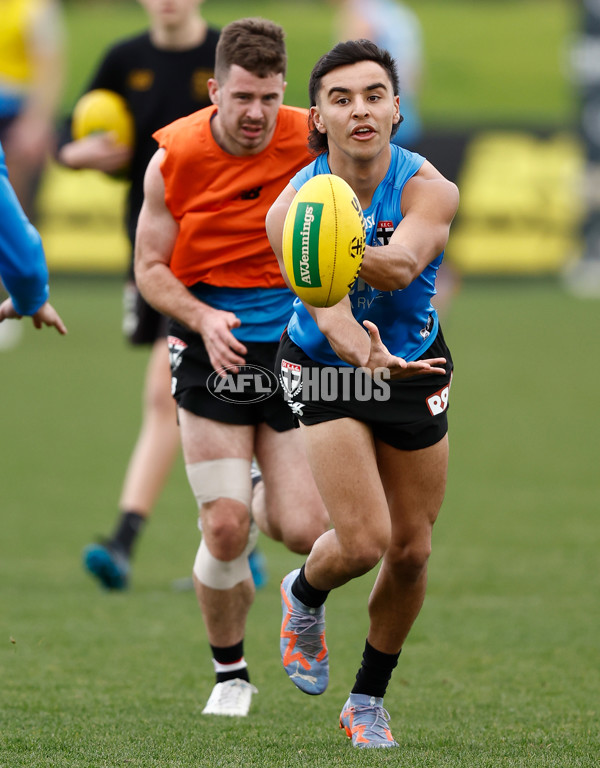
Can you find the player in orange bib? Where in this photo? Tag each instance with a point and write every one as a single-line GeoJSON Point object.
{"type": "Point", "coordinates": [220, 199]}
{"type": "Point", "coordinates": [204, 260]}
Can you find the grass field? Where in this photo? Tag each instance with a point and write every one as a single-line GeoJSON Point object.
{"type": "Point", "coordinates": [501, 668]}
{"type": "Point", "coordinates": [487, 61]}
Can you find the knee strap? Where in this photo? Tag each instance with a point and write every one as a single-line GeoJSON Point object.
{"type": "Point", "coordinates": [218, 479]}
{"type": "Point", "coordinates": [219, 574]}
{"type": "Point", "coordinates": [221, 478]}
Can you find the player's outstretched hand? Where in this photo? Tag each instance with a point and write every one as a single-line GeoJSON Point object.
{"type": "Point", "coordinates": [381, 357]}
{"type": "Point", "coordinates": [46, 315]}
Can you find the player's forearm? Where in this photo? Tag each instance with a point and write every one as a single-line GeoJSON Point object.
{"type": "Point", "coordinates": [168, 295]}
{"type": "Point", "coordinates": [347, 338]}
{"type": "Point", "coordinates": [389, 267]}
{"type": "Point", "coordinates": [22, 260]}
{"type": "Point", "coordinates": [73, 155]}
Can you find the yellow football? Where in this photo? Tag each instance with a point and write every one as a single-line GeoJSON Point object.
{"type": "Point", "coordinates": [323, 240]}
{"type": "Point", "coordinates": [100, 111]}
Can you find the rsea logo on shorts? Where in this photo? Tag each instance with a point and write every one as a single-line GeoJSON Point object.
{"type": "Point", "coordinates": [438, 402]}
{"type": "Point", "coordinates": [242, 384]}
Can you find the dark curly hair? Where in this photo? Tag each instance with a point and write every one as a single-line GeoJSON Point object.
{"type": "Point", "coordinates": [350, 52]}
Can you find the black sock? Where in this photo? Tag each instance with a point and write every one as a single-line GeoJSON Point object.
{"type": "Point", "coordinates": [233, 657]}
{"type": "Point", "coordinates": [375, 671]}
{"type": "Point", "coordinates": [302, 590]}
{"type": "Point", "coordinates": [128, 528]}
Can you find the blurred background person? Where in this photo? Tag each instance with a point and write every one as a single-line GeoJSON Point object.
{"type": "Point", "coordinates": [395, 27]}
{"type": "Point", "coordinates": [582, 277]}
{"type": "Point", "coordinates": [162, 74]}
{"type": "Point", "coordinates": [23, 266]}
{"type": "Point", "coordinates": [31, 81]}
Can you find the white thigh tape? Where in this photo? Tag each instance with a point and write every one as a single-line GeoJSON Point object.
{"type": "Point", "coordinates": [221, 478]}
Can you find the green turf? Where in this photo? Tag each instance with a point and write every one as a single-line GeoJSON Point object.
{"type": "Point", "coordinates": [487, 61]}
{"type": "Point", "coordinates": [501, 668]}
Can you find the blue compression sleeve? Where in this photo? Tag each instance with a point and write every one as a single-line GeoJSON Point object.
{"type": "Point", "coordinates": [23, 266]}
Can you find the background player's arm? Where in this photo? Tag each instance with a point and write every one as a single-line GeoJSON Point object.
{"type": "Point", "coordinates": [429, 203]}
{"type": "Point", "coordinates": [99, 152]}
{"type": "Point", "coordinates": [156, 234]}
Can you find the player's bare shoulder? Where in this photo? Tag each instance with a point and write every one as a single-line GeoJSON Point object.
{"type": "Point", "coordinates": [427, 188]}
{"type": "Point", "coordinates": [154, 185]}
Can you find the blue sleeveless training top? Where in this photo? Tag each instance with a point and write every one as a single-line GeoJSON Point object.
{"type": "Point", "coordinates": [406, 319]}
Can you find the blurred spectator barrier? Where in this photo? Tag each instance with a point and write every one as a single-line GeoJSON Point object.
{"type": "Point", "coordinates": [81, 221]}
{"type": "Point", "coordinates": [520, 206]}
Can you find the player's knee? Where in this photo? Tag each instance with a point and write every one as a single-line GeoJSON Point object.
{"type": "Point", "coordinates": [158, 400]}
{"type": "Point", "coordinates": [298, 541]}
{"type": "Point", "coordinates": [215, 573]}
{"type": "Point", "coordinates": [226, 527]}
{"type": "Point", "coordinates": [362, 555]}
{"type": "Point", "coordinates": [364, 560]}
{"type": "Point", "coordinates": [157, 392]}
{"type": "Point", "coordinates": [300, 538]}
{"type": "Point", "coordinates": [223, 490]}
{"type": "Point", "coordinates": [409, 560]}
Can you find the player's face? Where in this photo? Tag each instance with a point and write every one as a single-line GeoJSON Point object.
{"type": "Point", "coordinates": [356, 108]}
{"type": "Point", "coordinates": [170, 13]}
{"type": "Point", "coordinates": [247, 110]}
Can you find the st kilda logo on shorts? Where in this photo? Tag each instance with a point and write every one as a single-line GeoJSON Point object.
{"type": "Point", "coordinates": [290, 378]}
{"type": "Point", "coordinates": [176, 349]}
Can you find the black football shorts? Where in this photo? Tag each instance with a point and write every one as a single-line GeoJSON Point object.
{"type": "Point", "coordinates": [250, 396]}
{"type": "Point", "coordinates": [408, 414]}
